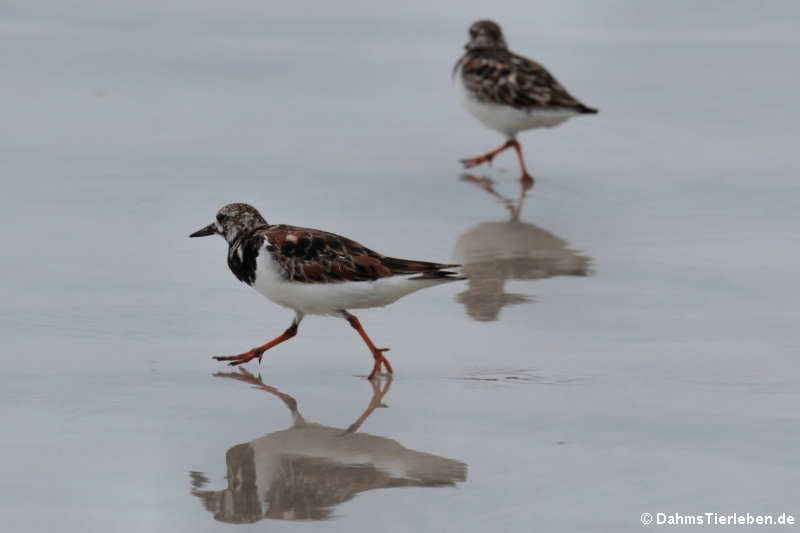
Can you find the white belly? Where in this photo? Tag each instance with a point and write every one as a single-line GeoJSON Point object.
{"type": "Point", "coordinates": [331, 298]}
{"type": "Point", "coordinates": [510, 120]}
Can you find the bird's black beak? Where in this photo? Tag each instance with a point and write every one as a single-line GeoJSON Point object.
{"type": "Point", "coordinates": [211, 229]}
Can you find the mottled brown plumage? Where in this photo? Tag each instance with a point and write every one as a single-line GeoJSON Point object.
{"type": "Point", "coordinates": [499, 76]}
{"type": "Point", "coordinates": [314, 256]}
{"type": "Point", "coordinates": [307, 255]}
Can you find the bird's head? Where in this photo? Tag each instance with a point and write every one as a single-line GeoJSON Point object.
{"type": "Point", "coordinates": [232, 221]}
{"type": "Point", "coordinates": [485, 34]}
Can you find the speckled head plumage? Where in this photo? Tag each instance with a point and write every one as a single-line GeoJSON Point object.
{"type": "Point", "coordinates": [233, 220]}
{"type": "Point", "coordinates": [486, 34]}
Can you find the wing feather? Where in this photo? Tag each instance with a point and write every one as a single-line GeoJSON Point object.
{"type": "Point", "coordinates": [499, 76]}
{"type": "Point", "coordinates": [309, 255]}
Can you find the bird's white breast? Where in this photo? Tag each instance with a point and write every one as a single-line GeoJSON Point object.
{"type": "Point", "coordinates": [331, 298]}
{"type": "Point", "coordinates": [509, 120]}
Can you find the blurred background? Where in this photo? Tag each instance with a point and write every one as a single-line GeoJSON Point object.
{"type": "Point", "coordinates": [628, 345]}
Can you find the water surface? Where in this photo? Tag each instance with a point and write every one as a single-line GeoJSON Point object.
{"type": "Point", "coordinates": [626, 343]}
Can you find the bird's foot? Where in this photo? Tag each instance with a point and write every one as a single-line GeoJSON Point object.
{"type": "Point", "coordinates": [241, 358]}
{"type": "Point", "coordinates": [527, 180]}
{"type": "Point", "coordinates": [380, 359]}
{"type": "Point", "coordinates": [476, 161]}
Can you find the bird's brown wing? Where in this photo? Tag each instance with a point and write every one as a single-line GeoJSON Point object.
{"type": "Point", "coordinates": [308, 255]}
{"type": "Point", "coordinates": [501, 77]}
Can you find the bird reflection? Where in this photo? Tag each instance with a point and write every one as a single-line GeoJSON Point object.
{"type": "Point", "coordinates": [493, 252]}
{"type": "Point", "coordinates": [302, 472]}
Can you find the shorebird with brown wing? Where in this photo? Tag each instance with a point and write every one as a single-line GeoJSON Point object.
{"type": "Point", "coordinates": [509, 93]}
{"type": "Point", "coordinates": [314, 272]}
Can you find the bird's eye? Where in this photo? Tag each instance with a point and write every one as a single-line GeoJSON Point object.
{"type": "Point", "coordinates": [221, 217]}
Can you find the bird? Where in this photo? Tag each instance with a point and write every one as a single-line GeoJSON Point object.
{"type": "Point", "coordinates": [314, 272]}
{"type": "Point", "coordinates": [509, 93]}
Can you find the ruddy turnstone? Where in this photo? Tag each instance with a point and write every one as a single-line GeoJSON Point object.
{"type": "Point", "coordinates": [315, 272]}
{"type": "Point", "coordinates": [509, 93]}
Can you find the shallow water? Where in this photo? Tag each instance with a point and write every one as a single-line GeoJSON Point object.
{"type": "Point", "coordinates": [627, 345]}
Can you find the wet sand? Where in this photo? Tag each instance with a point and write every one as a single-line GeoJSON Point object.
{"type": "Point", "coordinates": [626, 342]}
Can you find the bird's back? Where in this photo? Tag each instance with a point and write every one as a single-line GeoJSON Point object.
{"type": "Point", "coordinates": [307, 255]}
{"type": "Point", "coordinates": [498, 76]}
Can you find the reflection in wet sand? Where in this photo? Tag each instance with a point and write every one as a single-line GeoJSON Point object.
{"type": "Point", "coordinates": [302, 472]}
{"type": "Point", "coordinates": [493, 252]}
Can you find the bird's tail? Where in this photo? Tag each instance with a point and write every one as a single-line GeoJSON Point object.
{"type": "Point", "coordinates": [425, 269]}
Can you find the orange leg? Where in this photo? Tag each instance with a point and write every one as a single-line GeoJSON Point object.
{"type": "Point", "coordinates": [487, 158]}
{"type": "Point", "coordinates": [527, 178]}
{"type": "Point", "coordinates": [259, 351]}
{"type": "Point", "coordinates": [377, 353]}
